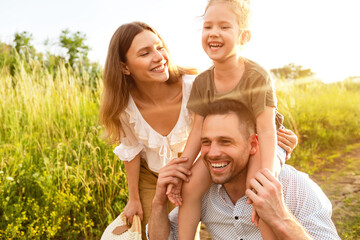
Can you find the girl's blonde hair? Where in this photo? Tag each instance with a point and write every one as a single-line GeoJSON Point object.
{"type": "Point", "coordinates": [117, 85]}
{"type": "Point", "coordinates": [241, 9]}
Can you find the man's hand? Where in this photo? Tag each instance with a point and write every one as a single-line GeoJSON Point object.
{"type": "Point", "coordinates": [159, 225]}
{"type": "Point", "coordinates": [170, 174]}
{"type": "Point", "coordinates": [267, 197]}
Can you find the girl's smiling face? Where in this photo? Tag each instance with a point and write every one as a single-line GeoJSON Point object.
{"type": "Point", "coordinates": [221, 32]}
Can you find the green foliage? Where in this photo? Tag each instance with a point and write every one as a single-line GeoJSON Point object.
{"type": "Point", "coordinates": [76, 48]}
{"type": "Point", "coordinates": [324, 117]}
{"type": "Point", "coordinates": [351, 229]}
{"type": "Point", "coordinates": [22, 42]}
{"type": "Point", "coordinates": [22, 55]}
{"type": "Point", "coordinates": [58, 179]}
{"type": "Point", "coordinates": [291, 71]}
{"type": "Point", "coordinates": [5, 54]}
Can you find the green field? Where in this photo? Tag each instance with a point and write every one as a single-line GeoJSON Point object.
{"type": "Point", "coordinates": [60, 180]}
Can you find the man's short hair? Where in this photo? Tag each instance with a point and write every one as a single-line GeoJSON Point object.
{"type": "Point", "coordinates": [226, 106]}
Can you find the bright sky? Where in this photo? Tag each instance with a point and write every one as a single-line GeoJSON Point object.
{"type": "Point", "coordinates": [317, 34]}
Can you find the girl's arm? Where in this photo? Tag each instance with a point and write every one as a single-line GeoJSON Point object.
{"type": "Point", "coordinates": [266, 130]}
{"type": "Point", "coordinates": [192, 191]}
{"type": "Point", "coordinates": [191, 151]}
{"type": "Point", "coordinates": [190, 209]}
{"type": "Point", "coordinates": [133, 206]}
{"type": "Point", "coordinates": [192, 147]}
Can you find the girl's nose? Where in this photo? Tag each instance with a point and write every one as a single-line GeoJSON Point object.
{"type": "Point", "coordinates": [214, 32]}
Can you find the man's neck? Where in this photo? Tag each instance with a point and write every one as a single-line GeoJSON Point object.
{"type": "Point", "coordinates": [236, 188]}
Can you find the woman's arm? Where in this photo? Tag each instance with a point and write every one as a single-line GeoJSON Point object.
{"type": "Point", "coordinates": [133, 206]}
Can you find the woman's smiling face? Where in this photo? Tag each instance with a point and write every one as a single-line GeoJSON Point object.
{"type": "Point", "coordinates": [147, 59]}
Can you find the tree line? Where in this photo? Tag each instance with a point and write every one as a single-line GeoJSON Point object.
{"type": "Point", "coordinates": [76, 57]}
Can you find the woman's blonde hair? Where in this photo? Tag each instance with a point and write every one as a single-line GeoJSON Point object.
{"type": "Point", "coordinates": [117, 85]}
{"type": "Point", "coordinates": [241, 9]}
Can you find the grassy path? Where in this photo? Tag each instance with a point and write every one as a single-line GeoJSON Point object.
{"type": "Point", "coordinates": [340, 181]}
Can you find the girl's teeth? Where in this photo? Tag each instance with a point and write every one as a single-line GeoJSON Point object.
{"type": "Point", "coordinates": [215, 45]}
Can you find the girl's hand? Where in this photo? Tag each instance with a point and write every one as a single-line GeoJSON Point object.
{"type": "Point", "coordinates": [174, 192]}
{"type": "Point", "coordinates": [287, 140]}
{"type": "Point", "coordinates": [133, 207]}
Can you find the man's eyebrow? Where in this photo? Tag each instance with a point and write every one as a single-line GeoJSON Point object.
{"type": "Point", "coordinates": [225, 138]}
{"type": "Point", "coordinates": [204, 138]}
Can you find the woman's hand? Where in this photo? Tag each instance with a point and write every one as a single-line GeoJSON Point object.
{"type": "Point", "coordinates": [287, 140]}
{"type": "Point", "coordinates": [133, 207]}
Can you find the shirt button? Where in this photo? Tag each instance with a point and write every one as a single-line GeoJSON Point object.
{"type": "Point", "coordinates": [236, 217]}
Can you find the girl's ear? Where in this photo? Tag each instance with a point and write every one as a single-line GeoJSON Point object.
{"type": "Point", "coordinates": [245, 37]}
{"type": "Point", "coordinates": [125, 70]}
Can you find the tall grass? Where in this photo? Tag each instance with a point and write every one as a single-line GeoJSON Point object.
{"type": "Point", "coordinates": [325, 117]}
{"type": "Point", "coordinates": [59, 180]}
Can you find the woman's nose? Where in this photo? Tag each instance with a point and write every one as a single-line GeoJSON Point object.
{"type": "Point", "coordinates": [158, 57]}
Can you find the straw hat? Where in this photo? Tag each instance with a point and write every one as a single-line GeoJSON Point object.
{"type": "Point", "coordinates": [119, 229]}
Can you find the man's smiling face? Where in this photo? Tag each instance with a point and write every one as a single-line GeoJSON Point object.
{"type": "Point", "coordinates": [224, 147]}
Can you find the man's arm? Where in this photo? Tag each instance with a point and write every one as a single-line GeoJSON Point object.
{"type": "Point", "coordinates": [159, 225]}
{"type": "Point", "coordinates": [267, 197]}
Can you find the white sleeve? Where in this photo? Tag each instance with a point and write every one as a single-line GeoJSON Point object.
{"type": "Point", "coordinates": [174, 227]}
{"type": "Point", "coordinates": [310, 205]}
{"type": "Point", "coordinates": [129, 146]}
{"type": "Point", "coordinates": [173, 216]}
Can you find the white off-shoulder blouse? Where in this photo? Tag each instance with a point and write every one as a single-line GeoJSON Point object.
{"type": "Point", "coordinates": [141, 138]}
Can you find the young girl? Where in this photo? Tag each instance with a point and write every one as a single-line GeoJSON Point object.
{"type": "Point", "coordinates": [225, 31]}
{"type": "Point", "coordinates": [144, 108]}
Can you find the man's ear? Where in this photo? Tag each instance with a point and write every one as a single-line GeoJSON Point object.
{"type": "Point", "coordinates": [245, 37]}
{"type": "Point", "coordinates": [254, 144]}
{"type": "Point", "coordinates": [124, 68]}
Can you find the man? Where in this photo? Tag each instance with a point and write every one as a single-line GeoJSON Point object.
{"type": "Point", "coordinates": [292, 205]}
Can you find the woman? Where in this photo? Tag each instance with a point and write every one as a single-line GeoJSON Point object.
{"type": "Point", "coordinates": [144, 108]}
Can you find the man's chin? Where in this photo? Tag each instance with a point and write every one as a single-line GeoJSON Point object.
{"type": "Point", "coordinates": [218, 179]}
